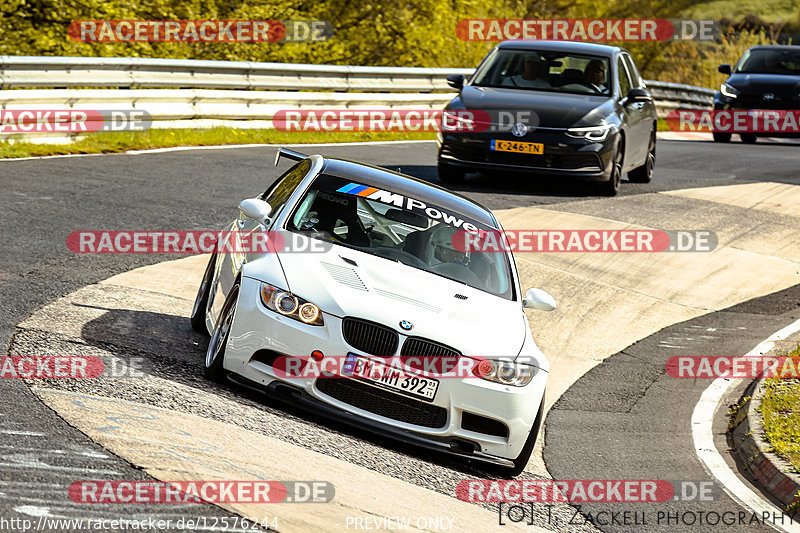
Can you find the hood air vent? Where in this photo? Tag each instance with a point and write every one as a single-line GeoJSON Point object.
{"type": "Point", "coordinates": [345, 276]}
{"type": "Point", "coordinates": [406, 299]}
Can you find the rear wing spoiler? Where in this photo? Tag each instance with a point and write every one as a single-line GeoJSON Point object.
{"type": "Point", "coordinates": [288, 154]}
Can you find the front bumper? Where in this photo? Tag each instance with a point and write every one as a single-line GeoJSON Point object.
{"type": "Point", "coordinates": [256, 329]}
{"type": "Point", "coordinates": [747, 102]}
{"type": "Point", "coordinates": [298, 397]}
{"type": "Point", "coordinates": [563, 155]}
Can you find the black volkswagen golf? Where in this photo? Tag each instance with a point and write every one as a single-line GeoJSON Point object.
{"type": "Point", "coordinates": [765, 77]}
{"type": "Point", "coordinates": [576, 110]}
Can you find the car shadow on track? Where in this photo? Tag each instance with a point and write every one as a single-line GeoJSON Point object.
{"type": "Point", "coordinates": [164, 346]}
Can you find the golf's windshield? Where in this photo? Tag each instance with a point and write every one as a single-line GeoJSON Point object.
{"type": "Point", "coordinates": [545, 71]}
{"type": "Point", "coordinates": [396, 228]}
{"type": "Point", "coordinates": [766, 61]}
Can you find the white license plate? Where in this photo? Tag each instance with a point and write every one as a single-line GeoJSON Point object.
{"type": "Point", "coordinates": [385, 376]}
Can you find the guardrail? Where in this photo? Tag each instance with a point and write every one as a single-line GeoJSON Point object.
{"type": "Point", "coordinates": [194, 93]}
{"type": "Point", "coordinates": [670, 96]}
{"type": "Point", "coordinates": [137, 72]}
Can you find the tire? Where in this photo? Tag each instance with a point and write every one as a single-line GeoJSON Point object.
{"type": "Point", "coordinates": [644, 173]}
{"type": "Point", "coordinates": [527, 449]}
{"type": "Point", "coordinates": [201, 300]}
{"type": "Point", "coordinates": [215, 354]}
{"type": "Point", "coordinates": [450, 174]}
{"type": "Point", "coordinates": [611, 187]}
{"type": "Point", "coordinates": [748, 138]}
{"type": "Point", "coordinates": [722, 137]}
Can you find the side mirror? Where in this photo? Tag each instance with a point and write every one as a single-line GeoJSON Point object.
{"type": "Point", "coordinates": [255, 208]}
{"type": "Point", "coordinates": [725, 68]}
{"type": "Point", "coordinates": [639, 95]}
{"type": "Point", "coordinates": [456, 81]}
{"type": "Point", "coordinates": [539, 300]}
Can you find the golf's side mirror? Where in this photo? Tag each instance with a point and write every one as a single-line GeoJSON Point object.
{"type": "Point", "coordinates": [456, 81]}
{"type": "Point", "coordinates": [725, 68]}
{"type": "Point", "coordinates": [639, 95]}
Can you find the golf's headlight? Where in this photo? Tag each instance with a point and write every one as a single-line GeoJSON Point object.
{"type": "Point", "coordinates": [288, 304]}
{"type": "Point", "coordinates": [505, 372]}
{"type": "Point", "coordinates": [728, 90]}
{"type": "Point", "coordinates": [592, 133]}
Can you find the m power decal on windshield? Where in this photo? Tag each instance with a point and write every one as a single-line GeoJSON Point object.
{"type": "Point", "coordinates": [411, 204]}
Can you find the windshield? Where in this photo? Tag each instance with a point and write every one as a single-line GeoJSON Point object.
{"type": "Point", "coordinates": [765, 61]}
{"type": "Point", "coordinates": [398, 228]}
{"type": "Point", "coordinates": [545, 71]}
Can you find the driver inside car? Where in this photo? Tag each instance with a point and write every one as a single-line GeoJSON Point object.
{"type": "Point", "coordinates": [595, 75]}
{"type": "Point", "coordinates": [532, 75]}
{"type": "Point", "coordinates": [442, 245]}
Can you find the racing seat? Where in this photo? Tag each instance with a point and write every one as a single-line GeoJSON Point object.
{"type": "Point", "coordinates": [418, 242]}
{"type": "Point", "coordinates": [331, 213]}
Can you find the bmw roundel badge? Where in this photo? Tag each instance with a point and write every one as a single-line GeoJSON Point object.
{"type": "Point", "coordinates": [406, 325]}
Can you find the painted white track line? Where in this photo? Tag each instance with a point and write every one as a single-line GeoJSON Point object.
{"type": "Point", "coordinates": [703, 437]}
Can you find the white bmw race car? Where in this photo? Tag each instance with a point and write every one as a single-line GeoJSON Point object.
{"type": "Point", "coordinates": [362, 283]}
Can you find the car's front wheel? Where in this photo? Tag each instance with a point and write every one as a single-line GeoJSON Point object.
{"type": "Point", "coordinates": [748, 138]}
{"type": "Point", "coordinates": [215, 355]}
{"type": "Point", "coordinates": [644, 173]}
{"type": "Point", "coordinates": [611, 187]}
{"type": "Point", "coordinates": [198, 318]}
{"type": "Point", "coordinates": [450, 173]}
{"type": "Point", "coordinates": [525, 455]}
{"type": "Point", "coordinates": [722, 137]}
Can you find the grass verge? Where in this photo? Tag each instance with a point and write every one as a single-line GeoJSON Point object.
{"type": "Point", "coordinates": [114, 142]}
{"type": "Point", "coordinates": [780, 410]}
{"type": "Point", "coordinates": [110, 142]}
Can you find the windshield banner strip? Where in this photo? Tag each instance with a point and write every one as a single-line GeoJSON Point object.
{"type": "Point", "coordinates": [411, 204]}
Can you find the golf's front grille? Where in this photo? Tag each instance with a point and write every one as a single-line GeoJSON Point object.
{"type": "Point", "coordinates": [419, 347]}
{"type": "Point", "coordinates": [370, 337]}
{"type": "Point", "coordinates": [383, 403]}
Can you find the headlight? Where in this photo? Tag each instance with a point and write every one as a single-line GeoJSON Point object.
{"type": "Point", "coordinates": [729, 91]}
{"type": "Point", "coordinates": [288, 304]}
{"type": "Point", "coordinates": [592, 133]}
{"type": "Point", "coordinates": [505, 372]}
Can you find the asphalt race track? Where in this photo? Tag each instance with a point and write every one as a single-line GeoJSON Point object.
{"type": "Point", "coordinates": [624, 419]}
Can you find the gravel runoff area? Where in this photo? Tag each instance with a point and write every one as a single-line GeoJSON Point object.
{"type": "Point", "coordinates": [120, 325]}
